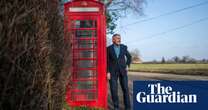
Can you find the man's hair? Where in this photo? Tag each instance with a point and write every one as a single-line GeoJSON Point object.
{"type": "Point", "coordinates": [116, 35]}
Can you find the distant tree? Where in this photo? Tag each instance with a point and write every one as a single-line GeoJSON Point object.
{"type": "Point", "coordinates": [192, 60]}
{"type": "Point", "coordinates": [135, 56]}
{"type": "Point", "coordinates": [185, 59]}
{"type": "Point", "coordinates": [154, 61]}
{"type": "Point", "coordinates": [188, 59]}
{"type": "Point", "coordinates": [204, 60]}
{"type": "Point", "coordinates": [176, 59]}
{"type": "Point", "coordinates": [163, 60]}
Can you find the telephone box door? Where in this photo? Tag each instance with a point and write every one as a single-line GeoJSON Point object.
{"type": "Point", "coordinates": [84, 59]}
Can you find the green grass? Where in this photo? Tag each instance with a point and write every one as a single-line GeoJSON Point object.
{"type": "Point", "coordinates": [189, 69]}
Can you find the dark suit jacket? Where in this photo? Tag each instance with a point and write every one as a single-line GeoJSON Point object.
{"type": "Point", "coordinates": [115, 64]}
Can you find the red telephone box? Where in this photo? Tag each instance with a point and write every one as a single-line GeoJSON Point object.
{"type": "Point", "coordinates": [85, 22]}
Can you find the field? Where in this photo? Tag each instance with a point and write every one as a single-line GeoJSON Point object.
{"type": "Point", "coordinates": [185, 69]}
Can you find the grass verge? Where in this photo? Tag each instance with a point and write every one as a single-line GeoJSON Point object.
{"type": "Point", "coordinates": [183, 69]}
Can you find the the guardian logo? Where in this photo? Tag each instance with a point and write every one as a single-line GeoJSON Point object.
{"type": "Point", "coordinates": [164, 94]}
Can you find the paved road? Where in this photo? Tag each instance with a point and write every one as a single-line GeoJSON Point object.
{"type": "Point", "coordinates": [150, 76]}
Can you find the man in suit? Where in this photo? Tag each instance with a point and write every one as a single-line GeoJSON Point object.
{"type": "Point", "coordinates": [118, 58]}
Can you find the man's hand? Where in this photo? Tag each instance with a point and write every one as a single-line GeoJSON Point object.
{"type": "Point", "coordinates": [108, 76]}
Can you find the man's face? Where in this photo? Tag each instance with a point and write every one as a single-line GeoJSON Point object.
{"type": "Point", "coordinates": [116, 40]}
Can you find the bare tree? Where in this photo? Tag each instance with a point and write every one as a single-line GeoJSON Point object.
{"type": "Point", "coordinates": [163, 60]}
{"type": "Point", "coordinates": [188, 59]}
{"type": "Point", "coordinates": [136, 58]}
{"type": "Point", "coordinates": [120, 8]}
{"type": "Point", "coordinates": [123, 6]}
{"type": "Point", "coordinates": [176, 59]}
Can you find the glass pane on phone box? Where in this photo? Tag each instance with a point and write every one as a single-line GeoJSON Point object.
{"type": "Point", "coordinates": [85, 33]}
{"type": "Point", "coordinates": [86, 74]}
{"type": "Point", "coordinates": [85, 24]}
{"type": "Point", "coordinates": [86, 43]}
{"type": "Point", "coordinates": [86, 54]}
{"type": "Point", "coordinates": [86, 84]}
{"type": "Point", "coordinates": [86, 63]}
